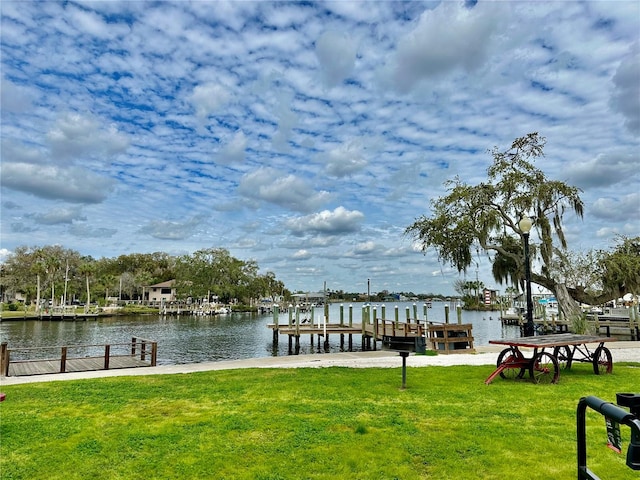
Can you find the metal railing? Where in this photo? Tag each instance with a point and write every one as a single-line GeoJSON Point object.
{"type": "Point", "coordinates": [615, 414]}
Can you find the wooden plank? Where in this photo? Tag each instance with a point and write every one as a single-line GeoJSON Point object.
{"type": "Point", "coordinates": [559, 340]}
{"type": "Point", "coordinates": [42, 367]}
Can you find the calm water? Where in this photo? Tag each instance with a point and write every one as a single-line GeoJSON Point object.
{"type": "Point", "coordinates": [189, 339]}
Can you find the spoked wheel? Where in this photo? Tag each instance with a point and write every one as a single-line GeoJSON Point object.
{"type": "Point", "coordinates": [509, 355]}
{"type": "Point", "coordinates": [564, 356]}
{"type": "Point", "coordinates": [544, 368]}
{"type": "Point", "coordinates": [602, 361]}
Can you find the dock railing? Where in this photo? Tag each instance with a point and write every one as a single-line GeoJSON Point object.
{"type": "Point", "coordinates": [57, 359]}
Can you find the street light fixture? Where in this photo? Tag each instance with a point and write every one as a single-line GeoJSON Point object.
{"type": "Point", "coordinates": [525, 225]}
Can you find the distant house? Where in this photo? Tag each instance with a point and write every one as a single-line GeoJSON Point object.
{"type": "Point", "coordinates": [161, 292]}
{"type": "Point", "coordinates": [490, 296]}
{"type": "Point", "coordinates": [308, 298]}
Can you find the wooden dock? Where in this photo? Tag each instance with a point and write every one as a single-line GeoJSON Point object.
{"type": "Point", "coordinates": [42, 367]}
{"type": "Point", "coordinates": [391, 333]}
{"type": "Point", "coordinates": [51, 316]}
{"type": "Point", "coordinates": [410, 334]}
{"type": "Point", "coordinates": [29, 361]}
{"type": "Point", "coordinates": [451, 337]}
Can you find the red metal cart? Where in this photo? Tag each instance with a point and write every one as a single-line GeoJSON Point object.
{"type": "Point", "coordinates": [551, 353]}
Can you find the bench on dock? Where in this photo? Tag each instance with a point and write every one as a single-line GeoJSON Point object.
{"type": "Point", "coordinates": [77, 358]}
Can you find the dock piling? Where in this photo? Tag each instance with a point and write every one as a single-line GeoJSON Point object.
{"type": "Point", "coordinates": [63, 360]}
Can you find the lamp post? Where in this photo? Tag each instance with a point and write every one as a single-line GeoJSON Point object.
{"type": "Point", "coordinates": [525, 225]}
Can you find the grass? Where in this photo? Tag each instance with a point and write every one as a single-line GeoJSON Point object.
{"type": "Point", "coordinates": [272, 424]}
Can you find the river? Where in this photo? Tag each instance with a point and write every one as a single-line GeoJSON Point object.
{"type": "Point", "coordinates": [193, 339]}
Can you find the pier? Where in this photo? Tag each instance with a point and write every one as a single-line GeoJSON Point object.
{"type": "Point", "coordinates": [409, 334]}
{"type": "Point", "coordinates": [77, 358]}
{"type": "Point", "coordinates": [626, 328]}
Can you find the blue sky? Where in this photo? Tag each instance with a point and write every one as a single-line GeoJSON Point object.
{"type": "Point", "coordinates": [306, 136]}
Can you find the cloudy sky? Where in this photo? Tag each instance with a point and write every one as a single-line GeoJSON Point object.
{"type": "Point", "coordinates": [306, 136]}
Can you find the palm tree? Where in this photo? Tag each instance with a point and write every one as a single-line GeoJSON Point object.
{"type": "Point", "coordinates": [87, 270]}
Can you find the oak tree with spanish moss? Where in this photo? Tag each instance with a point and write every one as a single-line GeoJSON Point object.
{"type": "Point", "coordinates": [487, 215]}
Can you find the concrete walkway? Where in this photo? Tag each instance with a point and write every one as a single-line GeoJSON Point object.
{"type": "Point", "coordinates": [486, 355]}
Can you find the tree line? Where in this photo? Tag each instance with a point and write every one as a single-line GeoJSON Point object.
{"type": "Point", "coordinates": [59, 275]}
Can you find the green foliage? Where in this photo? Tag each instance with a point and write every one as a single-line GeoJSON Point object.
{"type": "Point", "coordinates": [133, 309]}
{"type": "Point", "coordinates": [212, 271]}
{"type": "Point", "coordinates": [581, 326]}
{"type": "Point", "coordinates": [13, 307]}
{"type": "Point", "coordinates": [622, 267]}
{"type": "Point", "coordinates": [486, 213]}
{"type": "Point", "coordinates": [320, 423]}
{"type": "Point", "coordinates": [597, 276]}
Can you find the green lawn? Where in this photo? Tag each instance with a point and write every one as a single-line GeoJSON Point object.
{"type": "Point", "coordinates": [309, 424]}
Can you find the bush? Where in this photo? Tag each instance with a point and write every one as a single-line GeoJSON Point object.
{"type": "Point", "coordinates": [138, 310]}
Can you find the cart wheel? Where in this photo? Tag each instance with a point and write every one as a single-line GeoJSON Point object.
{"type": "Point", "coordinates": [510, 372]}
{"type": "Point", "coordinates": [544, 368]}
{"type": "Point", "coordinates": [564, 356]}
{"type": "Point", "coordinates": [602, 361]}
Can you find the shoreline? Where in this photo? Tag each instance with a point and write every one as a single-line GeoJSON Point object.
{"type": "Point", "coordinates": [623, 351]}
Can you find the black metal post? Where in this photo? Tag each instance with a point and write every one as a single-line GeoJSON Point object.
{"type": "Point", "coordinates": [529, 328]}
{"type": "Point", "coordinates": [404, 356]}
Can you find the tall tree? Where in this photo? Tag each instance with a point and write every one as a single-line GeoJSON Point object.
{"type": "Point", "coordinates": [87, 268]}
{"type": "Point", "coordinates": [213, 270]}
{"type": "Point", "coordinates": [487, 213]}
{"type": "Point", "coordinates": [597, 276]}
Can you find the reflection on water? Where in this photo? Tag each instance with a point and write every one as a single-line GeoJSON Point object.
{"type": "Point", "coordinates": [190, 339]}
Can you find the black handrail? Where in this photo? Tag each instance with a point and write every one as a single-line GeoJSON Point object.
{"type": "Point", "coordinates": [616, 414]}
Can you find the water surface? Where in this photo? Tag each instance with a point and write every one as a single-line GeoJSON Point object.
{"type": "Point", "coordinates": [192, 339]}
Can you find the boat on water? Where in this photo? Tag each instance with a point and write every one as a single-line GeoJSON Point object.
{"type": "Point", "coordinates": [549, 306]}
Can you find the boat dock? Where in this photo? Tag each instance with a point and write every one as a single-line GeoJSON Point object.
{"type": "Point", "coordinates": [401, 335]}
{"type": "Point", "coordinates": [623, 327]}
{"type": "Point", "coordinates": [410, 334]}
{"type": "Point", "coordinates": [77, 358]}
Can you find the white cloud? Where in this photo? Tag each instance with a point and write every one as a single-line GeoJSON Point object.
{"type": "Point", "coordinates": [302, 255]}
{"type": "Point", "coordinates": [84, 230]}
{"type": "Point", "coordinates": [208, 99]}
{"type": "Point", "coordinates": [59, 215]}
{"type": "Point", "coordinates": [603, 170]}
{"type": "Point", "coordinates": [170, 230]}
{"type": "Point", "coordinates": [445, 39]}
{"type": "Point", "coordinates": [72, 184]}
{"type": "Point", "coordinates": [14, 98]}
{"type": "Point", "coordinates": [623, 209]}
{"type": "Point", "coordinates": [365, 248]}
{"type": "Point", "coordinates": [336, 53]}
{"type": "Point", "coordinates": [245, 125]}
{"type": "Point", "coordinates": [338, 221]}
{"type": "Point", "coordinates": [626, 94]}
{"type": "Point", "coordinates": [344, 160]}
{"type": "Point", "coordinates": [75, 136]}
{"type": "Point", "coordinates": [286, 191]}
{"type": "Point", "coordinates": [287, 119]}
{"type": "Point", "coordinates": [234, 150]}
